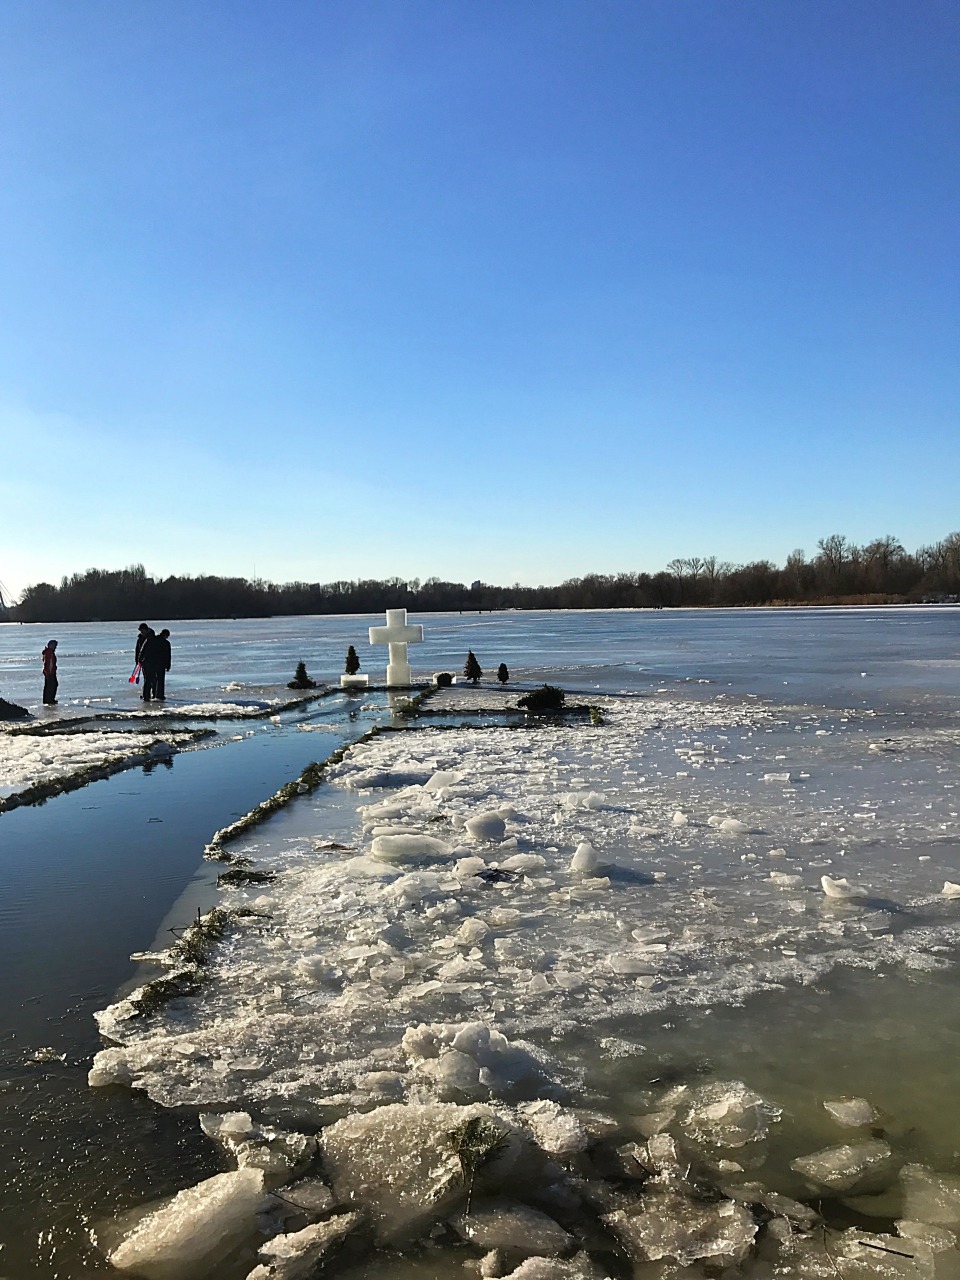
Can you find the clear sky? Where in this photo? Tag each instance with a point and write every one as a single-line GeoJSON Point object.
{"type": "Point", "coordinates": [513, 290]}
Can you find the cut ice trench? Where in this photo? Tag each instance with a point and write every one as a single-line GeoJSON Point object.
{"type": "Point", "coordinates": [456, 1029]}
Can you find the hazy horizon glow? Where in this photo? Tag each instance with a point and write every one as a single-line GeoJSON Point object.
{"type": "Point", "coordinates": [514, 292]}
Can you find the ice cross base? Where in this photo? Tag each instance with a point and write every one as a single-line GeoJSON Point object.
{"type": "Point", "coordinates": [397, 634]}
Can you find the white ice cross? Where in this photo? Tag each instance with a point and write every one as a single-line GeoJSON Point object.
{"type": "Point", "coordinates": [397, 634]}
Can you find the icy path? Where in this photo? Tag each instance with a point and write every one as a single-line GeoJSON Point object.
{"type": "Point", "coordinates": [29, 759]}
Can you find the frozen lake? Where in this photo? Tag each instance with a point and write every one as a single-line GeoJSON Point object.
{"type": "Point", "coordinates": [905, 658]}
{"type": "Point", "coordinates": [688, 979]}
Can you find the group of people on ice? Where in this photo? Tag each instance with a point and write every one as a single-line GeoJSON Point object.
{"type": "Point", "coordinates": [152, 656]}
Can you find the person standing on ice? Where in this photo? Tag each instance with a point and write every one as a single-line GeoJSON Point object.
{"type": "Point", "coordinates": [150, 660]}
{"type": "Point", "coordinates": [49, 656]}
{"type": "Point", "coordinates": [142, 632]}
{"type": "Point", "coordinates": [163, 652]}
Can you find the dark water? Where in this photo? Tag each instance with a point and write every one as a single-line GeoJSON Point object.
{"type": "Point", "coordinates": [87, 878]}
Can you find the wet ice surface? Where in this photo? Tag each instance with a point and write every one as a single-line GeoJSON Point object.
{"type": "Point", "coordinates": [514, 904]}
{"type": "Point", "coordinates": [27, 759]}
{"type": "Point", "coordinates": [57, 750]}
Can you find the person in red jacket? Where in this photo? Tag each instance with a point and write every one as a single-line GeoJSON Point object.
{"type": "Point", "coordinates": [49, 656]}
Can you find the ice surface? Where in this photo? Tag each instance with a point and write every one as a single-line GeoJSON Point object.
{"type": "Point", "coordinates": [184, 1237]}
{"type": "Point", "coordinates": [585, 858]}
{"type": "Point", "coordinates": [362, 983]}
{"type": "Point", "coordinates": [401, 1163]}
{"type": "Point", "coordinates": [728, 1114]}
{"type": "Point", "coordinates": [297, 1254]}
{"type": "Point", "coordinates": [930, 1197]}
{"type": "Point", "coordinates": [26, 759]}
{"type": "Point", "coordinates": [666, 1224]}
{"type": "Point", "coordinates": [853, 1112]}
{"type": "Point", "coordinates": [847, 1167]}
{"type": "Point", "coordinates": [486, 826]}
{"type": "Point", "coordinates": [408, 848]}
{"type": "Point", "coordinates": [514, 1227]}
{"type": "Point", "coordinates": [841, 888]}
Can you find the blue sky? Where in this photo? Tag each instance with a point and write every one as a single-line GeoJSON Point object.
{"type": "Point", "coordinates": [514, 290]}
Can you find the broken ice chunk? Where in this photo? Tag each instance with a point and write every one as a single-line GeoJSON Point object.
{"type": "Point", "coordinates": [188, 1233]}
{"type": "Point", "coordinates": [442, 779]}
{"type": "Point", "coordinates": [296, 1255]}
{"type": "Point", "coordinates": [852, 1112]}
{"type": "Point", "coordinates": [583, 800]}
{"type": "Point", "coordinates": [400, 1163]}
{"type": "Point", "coordinates": [841, 888]}
{"type": "Point", "coordinates": [680, 819]}
{"type": "Point", "coordinates": [585, 859]}
{"type": "Point", "coordinates": [844, 1167]}
{"type": "Point", "coordinates": [950, 890]}
{"type": "Point", "coordinates": [509, 1225]}
{"type": "Point", "coordinates": [486, 826]}
{"type": "Point", "coordinates": [784, 881]}
{"type": "Point", "coordinates": [408, 848]}
{"type": "Point", "coordinates": [557, 1131]}
{"type": "Point", "coordinates": [110, 1066]}
{"type": "Point", "coordinates": [654, 1121]}
{"type": "Point", "coordinates": [624, 963]}
{"type": "Point", "coordinates": [523, 862]}
{"type": "Point", "coordinates": [472, 933]}
{"type": "Point", "coordinates": [930, 1197]}
{"type": "Point", "coordinates": [464, 868]}
{"type": "Point", "coordinates": [728, 1114]}
{"type": "Point", "coordinates": [669, 1225]}
{"type": "Point", "coordinates": [734, 827]}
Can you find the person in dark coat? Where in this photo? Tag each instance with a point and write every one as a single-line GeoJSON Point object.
{"type": "Point", "coordinates": [150, 660]}
{"type": "Point", "coordinates": [142, 632]}
{"type": "Point", "coordinates": [49, 656]}
{"type": "Point", "coordinates": [163, 649]}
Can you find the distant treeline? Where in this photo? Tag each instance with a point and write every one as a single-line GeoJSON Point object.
{"type": "Point", "coordinates": [840, 572]}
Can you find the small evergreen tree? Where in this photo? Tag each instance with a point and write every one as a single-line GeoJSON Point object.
{"type": "Point", "coordinates": [547, 698]}
{"type": "Point", "coordinates": [503, 675]}
{"type": "Point", "coordinates": [300, 678]}
{"type": "Point", "coordinates": [471, 668]}
{"type": "Point", "coordinates": [353, 662]}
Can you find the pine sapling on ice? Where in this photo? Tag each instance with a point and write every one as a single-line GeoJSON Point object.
{"type": "Point", "coordinates": [300, 679]}
{"type": "Point", "coordinates": [353, 662]}
{"type": "Point", "coordinates": [503, 675]}
{"type": "Point", "coordinates": [471, 668]}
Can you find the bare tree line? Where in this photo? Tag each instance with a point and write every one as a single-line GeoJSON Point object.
{"type": "Point", "coordinates": [881, 571]}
